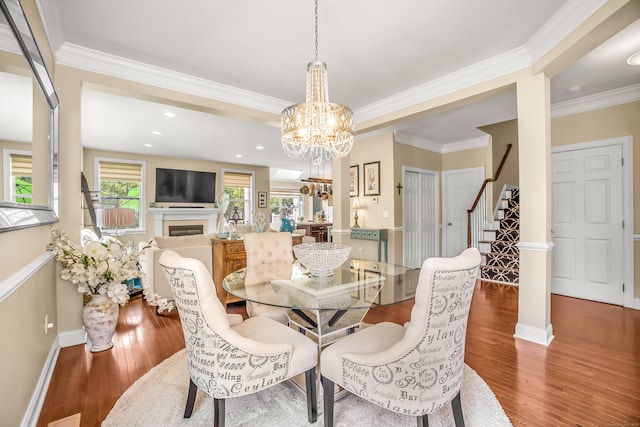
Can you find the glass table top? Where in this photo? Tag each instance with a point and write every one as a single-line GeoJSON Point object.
{"type": "Point", "coordinates": [356, 284]}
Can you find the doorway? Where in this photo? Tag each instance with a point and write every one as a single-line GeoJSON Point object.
{"type": "Point", "coordinates": [419, 215]}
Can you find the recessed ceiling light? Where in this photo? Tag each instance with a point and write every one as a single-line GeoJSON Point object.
{"type": "Point", "coordinates": [156, 132]}
{"type": "Point", "coordinates": [238, 155]}
{"type": "Point", "coordinates": [148, 145]}
{"type": "Point", "coordinates": [259, 147]}
{"type": "Point", "coordinates": [634, 59]}
{"type": "Point", "coordinates": [169, 114]}
{"type": "Point", "coordinates": [575, 89]}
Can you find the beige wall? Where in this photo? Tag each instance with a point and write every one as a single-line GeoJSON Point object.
{"type": "Point", "coordinates": [22, 313]}
{"type": "Point", "coordinates": [502, 134]}
{"type": "Point", "coordinates": [153, 162]}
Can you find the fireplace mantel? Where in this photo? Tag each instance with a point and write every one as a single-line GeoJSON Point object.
{"type": "Point", "coordinates": [183, 214]}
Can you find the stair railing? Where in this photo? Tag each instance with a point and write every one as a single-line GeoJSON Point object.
{"type": "Point", "coordinates": [477, 215]}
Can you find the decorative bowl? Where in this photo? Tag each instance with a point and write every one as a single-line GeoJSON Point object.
{"type": "Point", "coordinates": [322, 258]}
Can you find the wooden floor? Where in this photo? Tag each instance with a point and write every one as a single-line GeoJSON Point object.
{"type": "Point", "coordinates": [588, 376]}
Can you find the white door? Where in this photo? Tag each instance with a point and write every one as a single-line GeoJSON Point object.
{"type": "Point", "coordinates": [459, 190]}
{"type": "Point", "coordinates": [587, 224]}
{"type": "Point", "coordinates": [420, 216]}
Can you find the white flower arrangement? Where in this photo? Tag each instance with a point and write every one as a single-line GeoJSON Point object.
{"type": "Point", "coordinates": [96, 268]}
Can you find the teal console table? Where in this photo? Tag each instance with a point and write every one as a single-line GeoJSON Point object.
{"type": "Point", "coordinates": [380, 235]}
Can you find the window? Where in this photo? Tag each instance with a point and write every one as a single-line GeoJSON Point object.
{"type": "Point", "coordinates": [18, 176]}
{"type": "Point", "coordinates": [239, 187]}
{"type": "Point", "coordinates": [291, 199]}
{"type": "Point", "coordinates": [122, 191]}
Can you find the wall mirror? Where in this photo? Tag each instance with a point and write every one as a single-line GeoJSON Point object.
{"type": "Point", "coordinates": [29, 123]}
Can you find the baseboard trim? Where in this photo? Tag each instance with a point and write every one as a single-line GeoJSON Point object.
{"type": "Point", "coordinates": [32, 413]}
{"type": "Point", "coordinates": [637, 304]}
{"type": "Point", "coordinates": [536, 335]}
{"type": "Point", "coordinates": [69, 338]}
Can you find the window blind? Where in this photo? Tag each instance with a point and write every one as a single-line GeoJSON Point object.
{"type": "Point", "coordinates": [21, 165]}
{"type": "Point", "coordinates": [237, 180]}
{"type": "Point", "coordinates": [113, 171]}
{"type": "Point", "coordinates": [284, 193]}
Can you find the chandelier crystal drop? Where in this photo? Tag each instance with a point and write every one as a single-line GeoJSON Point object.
{"type": "Point", "coordinates": [317, 129]}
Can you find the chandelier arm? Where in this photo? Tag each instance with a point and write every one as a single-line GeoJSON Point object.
{"type": "Point", "coordinates": [316, 12]}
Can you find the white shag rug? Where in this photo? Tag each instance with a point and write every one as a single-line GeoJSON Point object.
{"type": "Point", "coordinates": [159, 397]}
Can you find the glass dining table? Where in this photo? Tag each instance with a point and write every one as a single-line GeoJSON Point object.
{"type": "Point", "coordinates": [324, 307]}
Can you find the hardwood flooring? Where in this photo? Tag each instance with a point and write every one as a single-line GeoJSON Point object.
{"type": "Point", "coordinates": [588, 376]}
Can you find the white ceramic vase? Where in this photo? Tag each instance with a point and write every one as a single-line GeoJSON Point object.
{"type": "Point", "coordinates": [100, 317]}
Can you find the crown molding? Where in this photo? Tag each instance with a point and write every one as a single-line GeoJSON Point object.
{"type": "Point", "coordinates": [467, 144]}
{"type": "Point", "coordinates": [415, 141]}
{"type": "Point", "coordinates": [596, 101]}
{"type": "Point", "coordinates": [52, 26]}
{"type": "Point", "coordinates": [80, 57]}
{"type": "Point", "coordinates": [438, 147]}
{"type": "Point", "coordinates": [497, 66]}
{"type": "Point", "coordinates": [561, 24]}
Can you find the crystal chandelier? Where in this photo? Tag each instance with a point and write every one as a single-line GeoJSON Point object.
{"type": "Point", "coordinates": [317, 129]}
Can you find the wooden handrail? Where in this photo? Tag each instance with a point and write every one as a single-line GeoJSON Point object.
{"type": "Point", "coordinates": [481, 191]}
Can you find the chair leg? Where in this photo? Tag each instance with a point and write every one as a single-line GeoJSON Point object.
{"type": "Point", "coordinates": [423, 420]}
{"type": "Point", "coordinates": [456, 404]}
{"type": "Point", "coordinates": [191, 398]}
{"type": "Point", "coordinates": [327, 390]}
{"type": "Point", "coordinates": [312, 396]}
{"type": "Point", "coordinates": [218, 416]}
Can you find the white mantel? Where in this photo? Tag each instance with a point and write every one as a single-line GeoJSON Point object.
{"type": "Point", "coordinates": [183, 214]}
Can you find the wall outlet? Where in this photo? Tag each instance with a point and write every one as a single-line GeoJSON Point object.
{"type": "Point", "coordinates": [385, 214]}
{"type": "Point", "coordinates": [374, 200]}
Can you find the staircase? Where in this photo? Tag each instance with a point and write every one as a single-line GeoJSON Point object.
{"type": "Point", "coordinates": [500, 255]}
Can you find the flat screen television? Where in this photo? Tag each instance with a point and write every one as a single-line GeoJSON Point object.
{"type": "Point", "coordinates": [185, 186]}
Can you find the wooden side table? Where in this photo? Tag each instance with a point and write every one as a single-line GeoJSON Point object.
{"type": "Point", "coordinates": [380, 235]}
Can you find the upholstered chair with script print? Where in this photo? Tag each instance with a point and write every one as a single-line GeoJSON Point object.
{"type": "Point", "coordinates": [417, 369]}
{"type": "Point", "coordinates": [264, 249]}
{"type": "Point", "coordinates": [228, 357]}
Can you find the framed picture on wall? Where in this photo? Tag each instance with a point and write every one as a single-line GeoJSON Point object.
{"type": "Point", "coordinates": [262, 199]}
{"type": "Point", "coordinates": [354, 180]}
{"type": "Point", "coordinates": [371, 178]}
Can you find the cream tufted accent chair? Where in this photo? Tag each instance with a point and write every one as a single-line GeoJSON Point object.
{"type": "Point", "coordinates": [272, 249]}
{"type": "Point", "coordinates": [228, 357]}
{"type": "Point", "coordinates": [418, 369]}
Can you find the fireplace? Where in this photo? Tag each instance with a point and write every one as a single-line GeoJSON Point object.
{"type": "Point", "coordinates": [185, 230]}
{"type": "Point", "coordinates": [203, 218]}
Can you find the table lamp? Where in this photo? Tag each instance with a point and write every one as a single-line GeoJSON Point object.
{"type": "Point", "coordinates": [356, 206]}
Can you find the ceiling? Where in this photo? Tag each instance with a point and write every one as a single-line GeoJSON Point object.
{"type": "Point", "coordinates": [381, 55]}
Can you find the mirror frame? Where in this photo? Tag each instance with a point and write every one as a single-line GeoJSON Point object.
{"type": "Point", "coordinates": [14, 216]}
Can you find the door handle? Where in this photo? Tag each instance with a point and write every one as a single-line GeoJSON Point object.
{"type": "Point", "coordinates": [449, 224]}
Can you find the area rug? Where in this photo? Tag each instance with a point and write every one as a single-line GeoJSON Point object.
{"type": "Point", "coordinates": [158, 399]}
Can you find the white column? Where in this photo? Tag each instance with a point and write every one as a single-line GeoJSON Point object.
{"type": "Point", "coordinates": [534, 139]}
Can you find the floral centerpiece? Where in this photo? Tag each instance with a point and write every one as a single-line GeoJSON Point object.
{"type": "Point", "coordinates": [97, 268]}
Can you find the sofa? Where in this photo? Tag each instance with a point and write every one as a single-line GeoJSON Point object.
{"type": "Point", "coordinates": [154, 282]}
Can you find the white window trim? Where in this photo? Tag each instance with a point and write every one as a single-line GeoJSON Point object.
{"type": "Point", "coordinates": [6, 171]}
{"type": "Point", "coordinates": [251, 200]}
{"type": "Point", "coordinates": [142, 228]}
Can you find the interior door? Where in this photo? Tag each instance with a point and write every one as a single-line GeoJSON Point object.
{"type": "Point", "coordinates": [459, 190]}
{"type": "Point", "coordinates": [587, 224]}
{"type": "Point", "coordinates": [420, 216]}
